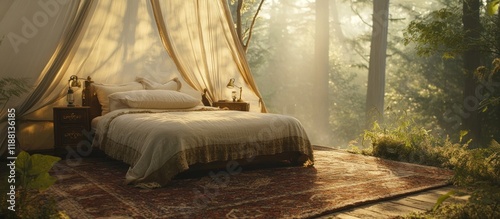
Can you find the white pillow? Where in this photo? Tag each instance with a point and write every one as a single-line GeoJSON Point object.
{"type": "Point", "coordinates": [104, 90]}
{"type": "Point", "coordinates": [191, 91]}
{"type": "Point", "coordinates": [173, 84]}
{"type": "Point", "coordinates": [152, 99]}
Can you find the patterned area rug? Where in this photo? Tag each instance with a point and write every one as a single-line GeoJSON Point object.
{"type": "Point", "coordinates": [92, 187]}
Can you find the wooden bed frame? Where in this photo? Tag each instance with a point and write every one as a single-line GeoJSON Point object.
{"type": "Point", "coordinates": [89, 98]}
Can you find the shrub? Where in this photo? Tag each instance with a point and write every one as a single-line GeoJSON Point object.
{"type": "Point", "coordinates": [31, 180]}
{"type": "Point", "coordinates": [406, 142]}
{"type": "Point", "coordinates": [477, 170]}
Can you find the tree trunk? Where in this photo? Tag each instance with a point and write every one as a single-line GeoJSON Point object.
{"type": "Point", "coordinates": [321, 77]}
{"type": "Point", "coordinates": [472, 61]}
{"type": "Point", "coordinates": [335, 25]}
{"type": "Point", "coordinates": [376, 73]}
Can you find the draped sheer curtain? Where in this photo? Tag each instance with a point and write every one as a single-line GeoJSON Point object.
{"type": "Point", "coordinates": [200, 38]}
{"type": "Point", "coordinates": [38, 40]}
{"type": "Point", "coordinates": [114, 42]}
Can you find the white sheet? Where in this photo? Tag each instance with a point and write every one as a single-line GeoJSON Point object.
{"type": "Point", "coordinates": [94, 122]}
{"type": "Point", "coordinates": [160, 144]}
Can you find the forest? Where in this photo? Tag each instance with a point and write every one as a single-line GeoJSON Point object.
{"type": "Point", "coordinates": [428, 77]}
{"type": "Point", "coordinates": [414, 81]}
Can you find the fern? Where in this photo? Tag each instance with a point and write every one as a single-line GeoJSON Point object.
{"type": "Point", "coordinates": [12, 87]}
{"type": "Point", "coordinates": [443, 198]}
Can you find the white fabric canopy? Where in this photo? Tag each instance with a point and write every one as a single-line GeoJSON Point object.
{"type": "Point", "coordinates": [113, 42]}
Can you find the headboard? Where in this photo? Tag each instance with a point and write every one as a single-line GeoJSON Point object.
{"type": "Point", "coordinates": [89, 98]}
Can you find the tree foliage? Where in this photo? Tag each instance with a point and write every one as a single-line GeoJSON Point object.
{"type": "Point", "coordinates": [245, 30]}
{"type": "Point", "coordinates": [427, 85]}
{"type": "Point", "coordinates": [439, 32]}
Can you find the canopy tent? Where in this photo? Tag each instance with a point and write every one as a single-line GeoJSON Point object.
{"type": "Point", "coordinates": [47, 41]}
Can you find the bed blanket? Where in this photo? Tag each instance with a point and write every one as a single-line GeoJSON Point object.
{"type": "Point", "coordinates": [159, 144]}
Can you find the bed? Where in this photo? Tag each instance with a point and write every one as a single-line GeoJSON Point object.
{"type": "Point", "coordinates": [162, 132]}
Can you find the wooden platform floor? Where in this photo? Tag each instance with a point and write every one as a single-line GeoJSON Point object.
{"type": "Point", "coordinates": [418, 202]}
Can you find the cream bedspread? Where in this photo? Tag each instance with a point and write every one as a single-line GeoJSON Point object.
{"type": "Point", "coordinates": [159, 144]}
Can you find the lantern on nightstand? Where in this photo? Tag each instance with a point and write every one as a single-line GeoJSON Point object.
{"type": "Point", "coordinates": [70, 96]}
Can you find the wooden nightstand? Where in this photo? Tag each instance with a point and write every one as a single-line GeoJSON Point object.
{"type": "Point", "coordinates": [241, 106]}
{"type": "Point", "coordinates": [71, 127]}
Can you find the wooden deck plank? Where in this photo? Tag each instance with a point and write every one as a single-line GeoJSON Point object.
{"type": "Point", "coordinates": [391, 209]}
{"type": "Point", "coordinates": [344, 216]}
{"type": "Point", "coordinates": [418, 202]}
{"type": "Point", "coordinates": [426, 198]}
{"type": "Point", "coordinates": [434, 195]}
{"type": "Point", "coordinates": [365, 213]}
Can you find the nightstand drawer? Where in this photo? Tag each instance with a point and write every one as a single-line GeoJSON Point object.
{"type": "Point", "coordinates": [241, 106]}
{"type": "Point", "coordinates": [72, 116]}
{"type": "Point", "coordinates": [71, 135]}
